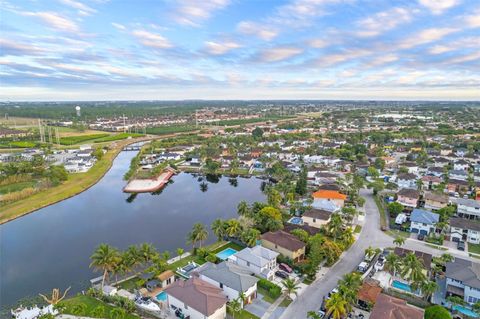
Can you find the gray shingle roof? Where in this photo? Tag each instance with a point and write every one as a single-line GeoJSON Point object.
{"type": "Point", "coordinates": [468, 202]}
{"type": "Point", "coordinates": [231, 275]}
{"type": "Point", "coordinates": [464, 271]}
{"type": "Point", "coordinates": [424, 216]}
{"type": "Point", "coordinates": [258, 255]}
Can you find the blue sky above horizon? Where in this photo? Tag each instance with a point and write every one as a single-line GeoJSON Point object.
{"type": "Point", "coordinates": [233, 49]}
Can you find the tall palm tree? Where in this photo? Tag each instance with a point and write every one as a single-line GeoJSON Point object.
{"type": "Point", "coordinates": [347, 237]}
{"type": "Point", "coordinates": [104, 258]}
{"type": "Point", "coordinates": [336, 306]}
{"type": "Point", "coordinates": [133, 255]}
{"type": "Point", "coordinates": [335, 225]}
{"type": "Point", "coordinates": [250, 236]}
{"type": "Point", "coordinates": [235, 307]}
{"type": "Point", "coordinates": [201, 233]}
{"type": "Point", "coordinates": [393, 263]}
{"type": "Point", "coordinates": [233, 228]}
{"type": "Point", "coordinates": [428, 288]}
{"type": "Point", "coordinates": [180, 252]}
{"type": "Point", "coordinates": [413, 270]}
{"type": "Point", "coordinates": [147, 252]}
{"type": "Point", "coordinates": [399, 241]}
{"type": "Point", "coordinates": [243, 209]}
{"type": "Point", "coordinates": [290, 287]}
{"type": "Point", "coordinates": [218, 228]}
{"type": "Point", "coordinates": [352, 280]}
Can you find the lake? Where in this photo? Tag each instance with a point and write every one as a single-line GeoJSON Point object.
{"type": "Point", "coordinates": [50, 248]}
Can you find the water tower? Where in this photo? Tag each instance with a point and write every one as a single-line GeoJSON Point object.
{"type": "Point", "coordinates": [77, 109]}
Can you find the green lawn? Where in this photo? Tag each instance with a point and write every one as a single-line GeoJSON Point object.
{"type": "Point", "coordinates": [130, 284]}
{"type": "Point", "coordinates": [285, 302]}
{"type": "Point", "coordinates": [474, 248]}
{"type": "Point", "coordinates": [398, 233]}
{"type": "Point", "coordinates": [16, 187]}
{"type": "Point", "coordinates": [383, 216]}
{"type": "Point", "coordinates": [243, 314]}
{"type": "Point", "coordinates": [266, 295]}
{"type": "Point", "coordinates": [91, 303]}
{"type": "Point", "coordinates": [228, 245]}
{"type": "Point", "coordinates": [358, 229]}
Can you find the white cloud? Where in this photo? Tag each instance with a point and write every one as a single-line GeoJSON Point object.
{"type": "Point", "coordinates": [473, 20]}
{"type": "Point", "coordinates": [217, 48]}
{"type": "Point", "coordinates": [335, 58]}
{"type": "Point", "coordinates": [439, 6]}
{"type": "Point", "coordinates": [118, 26]}
{"type": "Point", "coordinates": [193, 12]}
{"type": "Point", "coordinates": [153, 40]}
{"type": "Point", "coordinates": [279, 54]}
{"type": "Point", "coordinates": [82, 8]}
{"type": "Point", "coordinates": [53, 20]}
{"type": "Point", "coordinates": [318, 43]}
{"type": "Point", "coordinates": [425, 36]}
{"type": "Point", "coordinates": [439, 49]}
{"type": "Point", "coordinates": [261, 31]}
{"type": "Point", "coordinates": [384, 21]}
{"type": "Point", "coordinates": [383, 59]}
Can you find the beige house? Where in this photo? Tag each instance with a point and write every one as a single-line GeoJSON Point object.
{"type": "Point", "coordinates": [166, 278]}
{"type": "Point", "coordinates": [316, 217]}
{"type": "Point", "coordinates": [285, 244]}
{"type": "Point", "coordinates": [435, 201]}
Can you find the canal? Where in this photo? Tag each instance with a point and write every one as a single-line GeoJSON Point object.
{"type": "Point", "coordinates": [50, 248]}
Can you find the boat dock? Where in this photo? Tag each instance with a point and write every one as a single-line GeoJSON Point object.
{"type": "Point", "coordinates": [149, 185]}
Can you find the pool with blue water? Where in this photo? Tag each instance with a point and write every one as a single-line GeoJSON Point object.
{"type": "Point", "coordinates": [402, 286]}
{"type": "Point", "coordinates": [224, 254]}
{"type": "Point", "coordinates": [466, 311]}
{"type": "Point", "coordinates": [162, 296]}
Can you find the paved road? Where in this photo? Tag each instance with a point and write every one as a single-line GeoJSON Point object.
{"type": "Point", "coordinates": [371, 235]}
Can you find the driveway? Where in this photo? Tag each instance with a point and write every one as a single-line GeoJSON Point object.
{"type": "Point", "coordinates": [371, 235]}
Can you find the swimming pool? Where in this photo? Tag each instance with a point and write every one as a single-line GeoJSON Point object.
{"type": "Point", "coordinates": [224, 254]}
{"type": "Point", "coordinates": [402, 286]}
{"type": "Point", "coordinates": [296, 221]}
{"type": "Point", "coordinates": [162, 296]}
{"type": "Point", "coordinates": [466, 311]}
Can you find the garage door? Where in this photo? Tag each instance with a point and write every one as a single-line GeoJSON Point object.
{"type": "Point", "coordinates": [414, 230]}
{"type": "Point", "coordinates": [423, 232]}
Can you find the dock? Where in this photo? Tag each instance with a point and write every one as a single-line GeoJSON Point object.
{"type": "Point", "coordinates": [149, 185]}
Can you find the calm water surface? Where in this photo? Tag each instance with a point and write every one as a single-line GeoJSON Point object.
{"type": "Point", "coordinates": [51, 247]}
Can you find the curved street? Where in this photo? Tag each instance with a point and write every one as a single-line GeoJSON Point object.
{"type": "Point", "coordinates": [371, 235]}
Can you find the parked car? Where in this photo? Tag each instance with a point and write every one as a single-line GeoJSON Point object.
{"type": "Point", "coordinates": [380, 264]}
{"type": "Point", "coordinates": [421, 237]}
{"type": "Point", "coordinates": [362, 267]}
{"type": "Point", "coordinates": [285, 268]}
{"type": "Point", "coordinates": [461, 245]}
{"type": "Point", "coordinates": [333, 291]}
{"type": "Point", "coordinates": [321, 314]}
{"type": "Point", "coordinates": [281, 274]}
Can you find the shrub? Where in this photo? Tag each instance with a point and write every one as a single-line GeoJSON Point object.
{"type": "Point", "coordinates": [437, 312]}
{"type": "Point", "coordinates": [274, 290]}
{"type": "Point", "coordinates": [211, 258]}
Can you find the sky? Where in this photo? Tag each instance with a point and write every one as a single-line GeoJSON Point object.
{"type": "Point", "coordinates": [234, 49]}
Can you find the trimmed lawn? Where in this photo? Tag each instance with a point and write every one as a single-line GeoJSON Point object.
{"type": "Point", "coordinates": [285, 302]}
{"type": "Point", "coordinates": [130, 284]}
{"type": "Point", "coordinates": [357, 229]}
{"type": "Point", "coordinates": [243, 314]}
{"type": "Point", "coordinates": [91, 303]}
{"type": "Point", "coordinates": [398, 233]}
{"type": "Point", "coordinates": [383, 214]}
{"type": "Point", "coordinates": [266, 295]}
{"type": "Point", "coordinates": [235, 246]}
{"type": "Point", "coordinates": [474, 248]}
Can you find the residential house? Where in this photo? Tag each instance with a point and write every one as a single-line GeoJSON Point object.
{"type": "Point", "coordinates": [407, 180]}
{"type": "Point", "coordinates": [463, 280]}
{"type": "Point", "coordinates": [260, 260]}
{"type": "Point", "coordinates": [235, 281]}
{"type": "Point", "coordinates": [462, 229]}
{"type": "Point", "coordinates": [457, 185]}
{"type": "Point", "coordinates": [368, 293]}
{"type": "Point", "coordinates": [425, 258]}
{"type": "Point", "coordinates": [435, 201]}
{"type": "Point", "coordinates": [285, 244]}
{"type": "Point", "coordinates": [412, 167]}
{"type": "Point", "coordinates": [436, 171]}
{"type": "Point", "coordinates": [316, 217]}
{"type": "Point", "coordinates": [458, 174]}
{"type": "Point", "coordinates": [166, 278]}
{"type": "Point", "coordinates": [461, 165]}
{"type": "Point", "coordinates": [332, 196]}
{"type": "Point", "coordinates": [196, 299]}
{"type": "Point", "coordinates": [430, 182]}
{"type": "Point", "coordinates": [440, 162]}
{"type": "Point", "coordinates": [408, 197]}
{"type": "Point", "coordinates": [388, 307]}
{"type": "Point", "coordinates": [468, 208]}
{"type": "Point", "coordinates": [423, 221]}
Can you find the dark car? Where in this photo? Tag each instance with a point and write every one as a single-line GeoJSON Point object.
{"type": "Point", "coordinates": [421, 237]}
{"type": "Point", "coordinates": [461, 245]}
{"type": "Point", "coordinates": [285, 267]}
{"type": "Point", "coordinates": [281, 274]}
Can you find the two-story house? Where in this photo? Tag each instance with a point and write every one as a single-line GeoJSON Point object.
{"type": "Point", "coordinates": [468, 208]}
{"type": "Point", "coordinates": [435, 201]}
{"type": "Point", "coordinates": [285, 244]}
{"type": "Point", "coordinates": [332, 196]}
{"type": "Point", "coordinates": [260, 260]}
{"type": "Point", "coordinates": [408, 197]}
{"type": "Point", "coordinates": [463, 280]}
{"type": "Point", "coordinates": [423, 221]}
{"type": "Point", "coordinates": [316, 217]}
{"type": "Point", "coordinates": [430, 182]}
{"type": "Point", "coordinates": [462, 229]}
{"type": "Point", "coordinates": [234, 280]}
{"type": "Point", "coordinates": [407, 180]}
{"type": "Point", "coordinates": [461, 164]}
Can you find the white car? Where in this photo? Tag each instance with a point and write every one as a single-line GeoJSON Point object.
{"type": "Point", "coordinates": [362, 267]}
{"type": "Point", "coordinates": [379, 265]}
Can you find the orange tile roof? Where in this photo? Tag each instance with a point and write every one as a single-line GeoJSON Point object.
{"type": "Point", "coordinates": [369, 291]}
{"type": "Point", "coordinates": [329, 194]}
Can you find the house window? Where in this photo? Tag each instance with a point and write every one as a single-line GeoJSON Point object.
{"type": "Point", "coordinates": [314, 220]}
{"type": "Point", "coordinates": [472, 299]}
{"type": "Point", "coordinates": [248, 264]}
{"type": "Point", "coordinates": [221, 285]}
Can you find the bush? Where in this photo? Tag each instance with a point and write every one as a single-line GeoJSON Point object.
{"type": "Point", "coordinates": [274, 290]}
{"type": "Point", "coordinates": [211, 258]}
{"type": "Point", "coordinates": [437, 312]}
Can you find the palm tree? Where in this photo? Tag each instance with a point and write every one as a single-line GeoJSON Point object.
{"type": "Point", "coordinates": [347, 237]}
{"type": "Point", "coordinates": [369, 252]}
{"type": "Point", "coordinates": [233, 228]}
{"type": "Point", "coordinates": [428, 288]}
{"type": "Point", "coordinates": [166, 255]}
{"type": "Point", "coordinates": [392, 263]}
{"type": "Point", "coordinates": [399, 241]}
{"type": "Point", "coordinates": [180, 252]}
{"type": "Point", "coordinates": [412, 269]}
{"type": "Point", "coordinates": [243, 209]}
{"type": "Point", "coordinates": [313, 315]}
{"type": "Point", "coordinates": [133, 255]}
{"type": "Point", "coordinates": [446, 258]}
{"type": "Point", "coordinates": [201, 233]}
{"type": "Point", "coordinates": [104, 258]}
{"type": "Point", "coordinates": [352, 280]}
{"type": "Point", "coordinates": [290, 287]}
{"type": "Point", "coordinates": [250, 236]}
{"type": "Point", "coordinates": [335, 225]}
{"type": "Point", "coordinates": [147, 252]}
{"type": "Point", "coordinates": [235, 307]}
{"type": "Point", "coordinates": [336, 306]}
{"type": "Point", "coordinates": [218, 228]}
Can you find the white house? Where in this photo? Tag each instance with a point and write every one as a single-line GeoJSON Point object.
{"type": "Point", "coordinates": [196, 299]}
{"type": "Point", "coordinates": [463, 280]}
{"type": "Point", "coordinates": [461, 165]}
{"type": "Point", "coordinates": [468, 208]}
{"type": "Point", "coordinates": [462, 229]}
{"type": "Point", "coordinates": [232, 279]}
{"type": "Point", "coordinates": [423, 221]}
{"type": "Point", "coordinates": [260, 260]}
{"type": "Point", "coordinates": [407, 180]}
